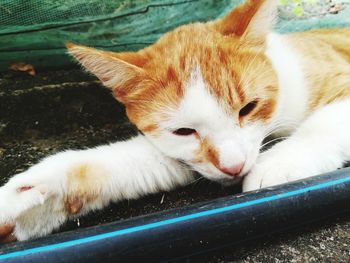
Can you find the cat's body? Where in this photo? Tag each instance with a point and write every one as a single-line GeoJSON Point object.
{"type": "Point", "coordinates": [205, 96]}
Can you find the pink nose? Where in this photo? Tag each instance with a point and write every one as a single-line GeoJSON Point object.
{"type": "Point", "coordinates": [233, 170]}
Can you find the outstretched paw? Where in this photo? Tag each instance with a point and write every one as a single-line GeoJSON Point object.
{"type": "Point", "coordinates": [15, 200]}
{"type": "Point", "coordinates": [29, 211]}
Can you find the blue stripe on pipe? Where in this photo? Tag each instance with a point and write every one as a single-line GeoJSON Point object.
{"type": "Point", "coordinates": [173, 220]}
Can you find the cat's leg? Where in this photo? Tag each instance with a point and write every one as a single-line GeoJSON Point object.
{"type": "Point", "coordinates": [321, 144]}
{"type": "Point", "coordinates": [74, 182]}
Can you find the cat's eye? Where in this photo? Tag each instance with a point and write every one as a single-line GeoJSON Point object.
{"type": "Point", "coordinates": [248, 108]}
{"type": "Point", "coordinates": [184, 131]}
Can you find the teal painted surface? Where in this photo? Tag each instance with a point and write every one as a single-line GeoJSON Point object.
{"type": "Point", "coordinates": [329, 21]}
{"type": "Point", "coordinates": [35, 31]}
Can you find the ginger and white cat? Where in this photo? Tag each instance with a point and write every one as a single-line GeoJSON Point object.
{"type": "Point", "coordinates": [204, 96]}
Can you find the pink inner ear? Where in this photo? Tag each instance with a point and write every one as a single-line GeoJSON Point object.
{"type": "Point", "coordinates": [24, 188]}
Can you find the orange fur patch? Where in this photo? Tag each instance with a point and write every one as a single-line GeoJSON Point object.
{"type": "Point", "coordinates": [326, 67]}
{"type": "Point", "coordinates": [237, 21]}
{"type": "Point", "coordinates": [207, 153]}
{"type": "Point", "coordinates": [84, 182]}
{"type": "Point", "coordinates": [235, 73]}
{"type": "Point", "coordinates": [264, 111]}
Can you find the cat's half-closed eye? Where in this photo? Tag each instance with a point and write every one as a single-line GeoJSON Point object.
{"type": "Point", "coordinates": [184, 132]}
{"type": "Point", "coordinates": [248, 108]}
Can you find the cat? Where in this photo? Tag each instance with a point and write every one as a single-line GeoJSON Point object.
{"type": "Point", "coordinates": [204, 97]}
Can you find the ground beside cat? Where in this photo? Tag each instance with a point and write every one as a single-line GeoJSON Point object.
{"type": "Point", "coordinates": [204, 97]}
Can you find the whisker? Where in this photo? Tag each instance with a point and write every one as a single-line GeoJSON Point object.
{"type": "Point", "coordinates": [196, 181]}
{"type": "Point", "coordinates": [272, 141]}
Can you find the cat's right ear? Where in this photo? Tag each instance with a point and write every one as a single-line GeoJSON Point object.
{"type": "Point", "coordinates": [121, 72]}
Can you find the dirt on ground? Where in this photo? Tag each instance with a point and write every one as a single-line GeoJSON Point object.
{"type": "Point", "coordinates": [57, 110]}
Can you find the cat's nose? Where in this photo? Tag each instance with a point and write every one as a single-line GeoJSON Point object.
{"type": "Point", "coordinates": [233, 170]}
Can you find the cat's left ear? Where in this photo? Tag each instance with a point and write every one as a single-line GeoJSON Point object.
{"type": "Point", "coordinates": [252, 20]}
{"type": "Point", "coordinates": [121, 72]}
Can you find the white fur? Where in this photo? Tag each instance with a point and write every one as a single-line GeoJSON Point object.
{"type": "Point", "coordinates": [201, 111]}
{"type": "Point", "coordinates": [130, 169]}
{"type": "Point", "coordinates": [293, 90]}
{"type": "Point", "coordinates": [321, 144]}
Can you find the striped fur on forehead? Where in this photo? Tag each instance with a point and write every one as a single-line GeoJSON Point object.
{"type": "Point", "coordinates": [246, 76]}
{"type": "Point", "coordinates": [235, 73]}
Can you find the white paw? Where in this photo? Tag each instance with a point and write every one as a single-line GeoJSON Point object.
{"type": "Point", "coordinates": [270, 171]}
{"type": "Point", "coordinates": [32, 206]}
{"type": "Point", "coordinates": [286, 162]}
{"type": "Point", "coordinates": [16, 199]}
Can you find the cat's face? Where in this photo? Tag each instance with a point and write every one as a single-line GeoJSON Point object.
{"type": "Point", "coordinates": [203, 94]}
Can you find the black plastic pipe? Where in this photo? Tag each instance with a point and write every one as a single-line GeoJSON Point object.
{"type": "Point", "coordinates": [179, 233]}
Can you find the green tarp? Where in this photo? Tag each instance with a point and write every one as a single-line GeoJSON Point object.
{"type": "Point", "coordinates": [35, 31]}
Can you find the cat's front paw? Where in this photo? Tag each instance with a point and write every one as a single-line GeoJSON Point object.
{"type": "Point", "coordinates": [270, 170]}
{"type": "Point", "coordinates": [16, 199]}
{"type": "Point", "coordinates": [23, 204]}
{"type": "Point", "coordinates": [34, 206]}
{"type": "Point", "coordinates": [289, 161]}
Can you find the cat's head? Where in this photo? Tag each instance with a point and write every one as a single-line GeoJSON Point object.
{"type": "Point", "coordinates": [204, 93]}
